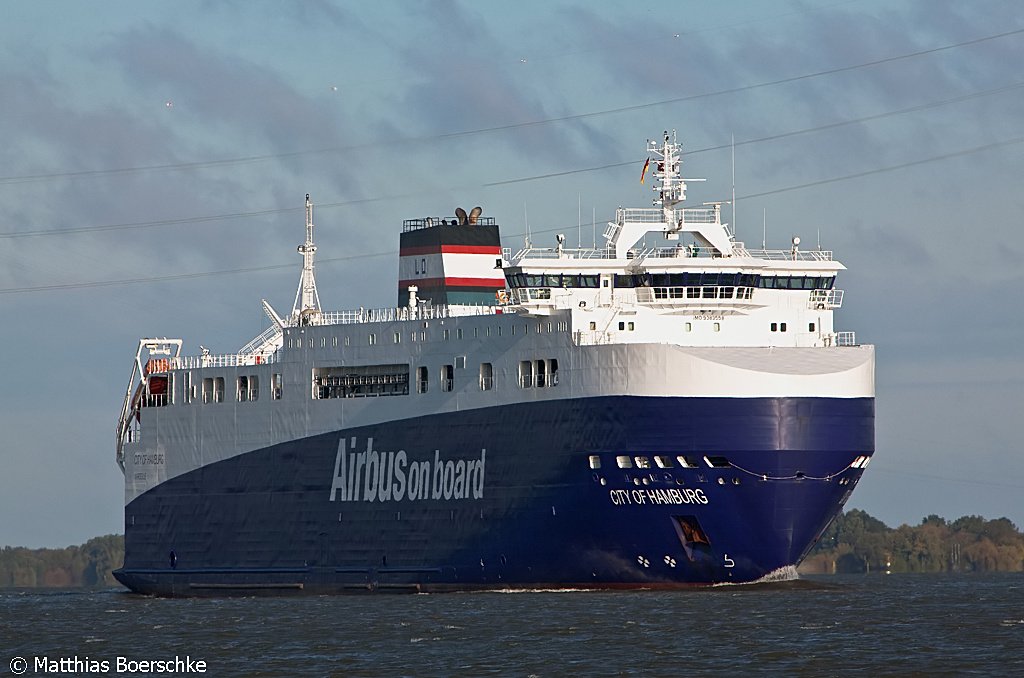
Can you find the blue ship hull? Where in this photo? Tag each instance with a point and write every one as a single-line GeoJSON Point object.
{"type": "Point", "coordinates": [524, 509]}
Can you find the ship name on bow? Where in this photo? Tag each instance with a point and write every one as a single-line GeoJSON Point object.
{"type": "Point", "coordinates": [372, 475]}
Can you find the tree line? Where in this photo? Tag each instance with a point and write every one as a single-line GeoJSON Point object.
{"type": "Point", "coordinates": [857, 542]}
{"type": "Point", "coordinates": [854, 542]}
{"type": "Point", "coordinates": [87, 565]}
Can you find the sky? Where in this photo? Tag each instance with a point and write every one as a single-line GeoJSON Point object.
{"type": "Point", "coordinates": [155, 159]}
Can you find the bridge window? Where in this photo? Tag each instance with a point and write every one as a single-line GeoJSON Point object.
{"type": "Point", "coordinates": [447, 377]}
{"type": "Point", "coordinates": [421, 379]}
{"type": "Point", "coordinates": [275, 385]}
{"type": "Point", "coordinates": [486, 376]}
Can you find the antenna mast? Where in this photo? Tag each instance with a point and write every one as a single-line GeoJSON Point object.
{"type": "Point", "coordinates": [734, 185]}
{"type": "Point", "coordinates": [671, 188]}
{"type": "Point", "coordinates": [307, 301]}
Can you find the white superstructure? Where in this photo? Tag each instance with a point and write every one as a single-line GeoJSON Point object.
{"type": "Point", "coordinates": [696, 315]}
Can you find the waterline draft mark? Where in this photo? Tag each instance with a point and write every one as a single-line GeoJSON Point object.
{"type": "Point", "coordinates": [121, 665]}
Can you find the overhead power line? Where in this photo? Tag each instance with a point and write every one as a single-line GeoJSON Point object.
{"type": "Point", "coordinates": [185, 276]}
{"type": "Point", "coordinates": [498, 128]}
{"type": "Point", "coordinates": [505, 182]}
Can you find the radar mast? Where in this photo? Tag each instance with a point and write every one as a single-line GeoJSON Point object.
{"type": "Point", "coordinates": [307, 301]}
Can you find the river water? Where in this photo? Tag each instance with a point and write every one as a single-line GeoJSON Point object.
{"type": "Point", "coordinates": [822, 626]}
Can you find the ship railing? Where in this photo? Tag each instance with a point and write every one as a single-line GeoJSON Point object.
{"type": "Point", "coordinates": [430, 222]}
{"type": "Point", "coordinates": [783, 255]}
{"type": "Point", "coordinates": [591, 337]}
{"type": "Point", "coordinates": [825, 299]}
{"type": "Point", "coordinates": [655, 215]}
{"type": "Point", "coordinates": [361, 315]}
{"type": "Point", "coordinates": [267, 337]}
{"type": "Point", "coordinates": [563, 253]}
{"type": "Point", "coordinates": [192, 362]}
{"type": "Point", "coordinates": [392, 314]}
{"type": "Point", "coordinates": [846, 338]}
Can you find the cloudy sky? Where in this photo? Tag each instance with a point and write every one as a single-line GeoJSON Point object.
{"type": "Point", "coordinates": [155, 158]}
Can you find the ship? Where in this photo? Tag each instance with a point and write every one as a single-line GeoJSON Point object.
{"type": "Point", "coordinates": [665, 409]}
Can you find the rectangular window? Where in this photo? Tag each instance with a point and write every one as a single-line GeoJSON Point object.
{"type": "Point", "coordinates": [526, 373]}
{"type": "Point", "coordinates": [373, 339]}
{"type": "Point", "coordinates": [717, 462]}
{"type": "Point", "coordinates": [622, 326]}
{"type": "Point", "coordinates": [593, 326]}
{"type": "Point", "coordinates": [642, 462]}
{"type": "Point", "coordinates": [630, 326]}
{"type": "Point", "coordinates": [540, 373]}
{"type": "Point", "coordinates": [624, 461]}
{"type": "Point", "coordinates": [718, 327]}
{"type": "Point", "coordinates": [782, 327]}
{"type": "Point", "coordinates": [595, 461]}
{"type": "Point", "coordinates": [458, 333]}
{"type": "Point", "coordinates": [447, 377]}
{"type": "Point", "coordinates": [553, 372]}
{"type": "Point", "coordinates": [360, 381]}
{"type": "Point", "coordinates": [218, 389]}
{"type": "Point", "coordinates": [422, 380]}
{"type": "Point", "coordinates": [810, 327]}
{"type": "Point", "coordinates": [486, 376]}
{"type": "Point", "coordinates": [398, 338]}
{"type": "Point", "coordinates": [689, 327]}
{"type": "Point", "coordinates": [663, 462]}
{"type": "Point", "coordinates": [248, 388]}
{"type": "Point", "coordinates": [687, 462]}
{"type": "Point", "coordinates": [460, 362]}
{"type": "Point", "coordinates": [275, 385]}
{"type": "Point", "coordinates": [447, 334]}
{"type": "Point", "coordinates": [775, 327]}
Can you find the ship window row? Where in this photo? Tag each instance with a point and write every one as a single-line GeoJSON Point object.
{"type": "Point", "coordinates": [447, 376]}
{"type": "Point", "coordinates": [626, 461]}
{"type": "Point", "coordinates": [588, 281]}
{"type": "Point", "coordinates": [538, 373]}
{"type": "Point", "coordinates": [360, 381]}
{"type": "Point", "coordinates": [421, 335]}
{"type": "Point", "coordinates": [703, 292]}
{"type": "Point", "coordinates": [724, 279]}
{"type": "Point", "coordinates": [796, 282]}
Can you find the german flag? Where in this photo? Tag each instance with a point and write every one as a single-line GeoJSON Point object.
{"type": "Point", "coordinates": [643, 174]}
